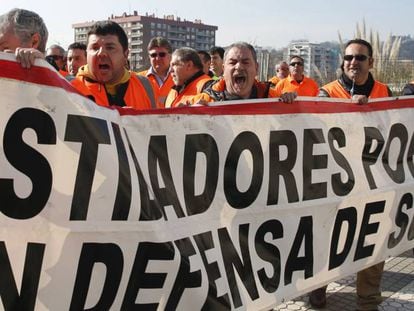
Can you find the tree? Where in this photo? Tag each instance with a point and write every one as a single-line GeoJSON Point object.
{"type": "Point", "coordinates": [388, 67]}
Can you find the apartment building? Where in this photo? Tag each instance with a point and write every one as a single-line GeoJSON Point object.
{"type": "Point", "coordinates": [320, 62]}
{"type": "Point", "coordinates": [263, 57]}
{"type": "Point", "coordinates": [141, 28]}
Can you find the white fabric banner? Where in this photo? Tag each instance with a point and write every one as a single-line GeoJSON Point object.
{"type": "Point", "coordinates": [238, 206]}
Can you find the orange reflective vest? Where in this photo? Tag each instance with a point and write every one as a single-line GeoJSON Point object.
{"type": "Point", "coordinates": [186, 95]}
{"type": "Point", "coordinates": [336, 90]}
{"type": "Point", "coordinates": [164, 89]}
{"type": "Point", "coordinates": [137, 95]}
{"type": "Point", "coordinates": [307, 87]}
{"type": "Point", "coordinates": [63, 72]}
{"type": "Point", "coordinates": [274, 80]}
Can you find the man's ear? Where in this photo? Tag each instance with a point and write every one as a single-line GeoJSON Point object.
{"type": "Point", "coordinates": [35, 41]}
{"type": "Point", "coordinates": [126, 53]}
{"type": "Point", "coordinates": [371, 62]}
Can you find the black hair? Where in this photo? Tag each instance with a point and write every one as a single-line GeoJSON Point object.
{"type": "Point", "coordinates": [217, 50]}
{"type": "Point", "coordinates": [297, 56]}
{"type": "Point", "coordinates": [362, 42]}
{"type": "Point", "coordinates": [103, 28]}
{"type": "Point", "coordinates": [205, 55]}
{"type": "Point", "coordinates": [77, 45]}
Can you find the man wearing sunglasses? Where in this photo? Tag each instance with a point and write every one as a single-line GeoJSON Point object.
{"type": "Point", "coordinates": [159, 51]}
{"type": "Point", "coordinates": [297, 81]}
{"type": "Point", "coordinates": [57, 53]}
{"type": "Point", "coordinates": [357, 84]}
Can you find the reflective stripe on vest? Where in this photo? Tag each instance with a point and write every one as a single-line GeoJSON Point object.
{"type": "Point", "coordinates": [148, 88]}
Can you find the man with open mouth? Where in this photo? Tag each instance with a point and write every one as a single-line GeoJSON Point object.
{"type": "Point", "coordinates": [105, 78]}
{"type": "Point", "coordinates": [239, 81]}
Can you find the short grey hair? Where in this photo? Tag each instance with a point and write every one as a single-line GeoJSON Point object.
{"type": "Point", "coordinates": [25, 24]}
{"type": "Point", "coordinates": [278, 65]}
{"type": "Point", "coordinates": [185, 54]}
{"type": "Point", "coordinates": [242, 45]}
{"type": "Point", "coordinates": [59, 48]}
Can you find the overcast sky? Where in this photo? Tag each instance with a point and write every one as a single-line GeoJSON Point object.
{"type": "Point", "coordinates": [268, 23]}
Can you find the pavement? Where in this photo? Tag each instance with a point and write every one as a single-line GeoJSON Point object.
{"type": "Point", "coordinates": [397, 289]}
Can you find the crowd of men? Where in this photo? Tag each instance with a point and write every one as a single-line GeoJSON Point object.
{"type": "Point", "coordinates": [100, 71]}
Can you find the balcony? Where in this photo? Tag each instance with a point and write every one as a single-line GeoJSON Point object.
{"type": "Point", "coordinates": [136, 34]}
{"type": "Point", "coordinates": [136, 49]}
{"type": "Point", "coordinates": [137, 26]}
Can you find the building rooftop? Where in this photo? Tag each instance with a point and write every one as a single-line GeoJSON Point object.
{"type": "Point", "coordinates": [136, 17]}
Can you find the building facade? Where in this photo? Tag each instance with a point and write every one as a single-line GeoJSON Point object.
{"type": "Point", "coordinates": [141, 28]}
{"type": "Point", "coordinates": [321, 63]}
{"type": "Point", "coordinates": [263, 56]}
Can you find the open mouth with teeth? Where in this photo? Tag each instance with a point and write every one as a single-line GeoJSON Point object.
{"type": "Point", "coordinates": [239, 79]}
{"type": "Point", "coordinates": [104, 66]}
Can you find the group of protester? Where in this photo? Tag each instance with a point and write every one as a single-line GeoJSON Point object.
{"type": "Point", "coordinates": [187, 77]}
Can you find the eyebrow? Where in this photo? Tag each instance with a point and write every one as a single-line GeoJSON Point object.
{"type": "Point", "coordinates": [109, 43]}
{"type": "Point", "coordinates": [237, 59]}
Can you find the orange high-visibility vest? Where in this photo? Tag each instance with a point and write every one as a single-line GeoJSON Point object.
{"type": "Point", "coordinates": [136, 94]}
{"type": "Point", "coordinates": [193, 88]}
{"type": "Point", "coordinates": [336, 90]}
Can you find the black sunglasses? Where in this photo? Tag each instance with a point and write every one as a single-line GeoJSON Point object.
{"type": "Point", "coordinates": [56, 57]}
{"type": "Point", "coordinates": [358, 57]}
{"type": "Point", "coordinates": [293, 64]}
{"type": "Point", "coordinates": [160, 54]}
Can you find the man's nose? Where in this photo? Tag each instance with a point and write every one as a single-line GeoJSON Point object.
{"type": "Point", "coordinates": [100, 51]}
{"type": "Point", "coordinates": [239, 65]}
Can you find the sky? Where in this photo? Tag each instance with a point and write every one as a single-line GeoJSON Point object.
{"type": "Point", "coordinates": [268, 23]}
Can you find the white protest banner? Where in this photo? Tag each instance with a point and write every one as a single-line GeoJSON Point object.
{"type": "Point", "coordinates": [225, 207]}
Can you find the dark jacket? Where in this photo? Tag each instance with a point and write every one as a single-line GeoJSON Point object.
{"type": "Point", "coordinates": [408, 89]}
